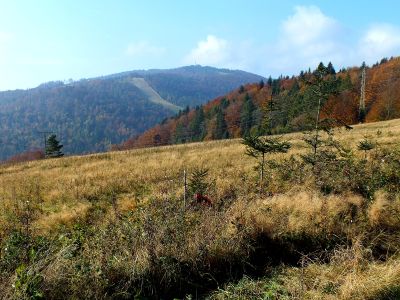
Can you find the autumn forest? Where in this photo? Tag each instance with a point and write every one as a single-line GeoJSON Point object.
{"type": "Point", "coordinates": [283, 105]}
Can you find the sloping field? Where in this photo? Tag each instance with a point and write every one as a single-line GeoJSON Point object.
{"type": "Point", "coordinates": [116, 225]}
{"type": "Point", "coordinates": [152, 95]}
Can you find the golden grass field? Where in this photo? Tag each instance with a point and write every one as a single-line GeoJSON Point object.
{"type": "Point", "coordinates": [65, 190]}
{"type": "Point", "coordinates": [66, 182]}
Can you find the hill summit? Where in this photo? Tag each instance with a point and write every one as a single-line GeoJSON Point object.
{"type": "Point", "coordinates": [91, 114]}
{"type": "Point", "coordinates": [283, 105]}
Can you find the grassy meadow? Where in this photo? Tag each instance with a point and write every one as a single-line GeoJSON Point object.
{"type": "Point", "coordinates": [115, 225]}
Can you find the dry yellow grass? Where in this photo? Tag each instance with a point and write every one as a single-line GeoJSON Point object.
{"type": "Point", "coordinates": [351, 275]}
{"type": "Point", "coordinates": [137, 174]}
{"type": "Point", "coordinates": [60, 193]}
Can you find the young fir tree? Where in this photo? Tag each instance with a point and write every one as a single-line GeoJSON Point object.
{"type": "Point", "coordinates": [258, 147]}
{"type": "Point", "coordinates": [198, 183]}
{"type": "Point", "coordinates": [270, 111]}
{"type": "Point", "coordinates": [327, 154]}
{"type": "Point", "coordinates": [366, 145]}
{"type": "Point", "coordinates": [53, 147]}
{"type": "Point", "coordinates": [321, 90]}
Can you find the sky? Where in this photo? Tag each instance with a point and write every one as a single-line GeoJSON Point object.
{"type": "Point", "coordinates": [48, 40]}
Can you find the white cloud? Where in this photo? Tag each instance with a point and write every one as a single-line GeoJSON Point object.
{"type": "Point", "coordinates": [143, 48]}
{"type": "Point", "coordinates": [212, 51]}
{"type": "Point", "coordinates": [307, 37]}
{"type": "Point", "coordinates": [379, 41]}
{"type": "Point", "coordinates": [308, 25]}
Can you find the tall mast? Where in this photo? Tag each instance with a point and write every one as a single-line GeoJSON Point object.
{"type": "Point", "coordinates": [362, 96]}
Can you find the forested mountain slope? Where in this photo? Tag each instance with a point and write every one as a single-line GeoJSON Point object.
{"type": "Point", "coordinates": [91, 114]}
{"type": "Point", "coordinates": [284, 105]}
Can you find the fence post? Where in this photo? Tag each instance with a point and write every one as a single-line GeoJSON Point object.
{"type": "Point", "coordinates": [184, 188]}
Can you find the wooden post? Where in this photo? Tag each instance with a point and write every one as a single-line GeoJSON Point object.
{"type": "Point", "coordinates": [184, 188]}
{"type": "Point", "coordinates": [317, 129]}
{"type": "Point", "coordinates": [262, 167]}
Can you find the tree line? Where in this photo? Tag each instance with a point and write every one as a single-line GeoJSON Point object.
{"type": "Point", "coordinates": [283, 105]}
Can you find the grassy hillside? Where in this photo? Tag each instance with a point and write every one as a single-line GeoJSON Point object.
{"type": "Point", "coordinates": [152, 95]}
{"type": "Point", "coordinates": [114, 225]}
{"type": "Point", "coordinates": [284, 105]}
{"type": "Point", "coordinates": [91, 114]}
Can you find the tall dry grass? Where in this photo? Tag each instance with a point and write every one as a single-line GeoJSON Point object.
{"type": "Point", "coordinates": [114, 224]}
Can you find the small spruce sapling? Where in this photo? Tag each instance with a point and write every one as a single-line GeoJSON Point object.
{"type": "Point", "coordinates": [258, 147]}
{"type": "Point", "coordinates": [198, 183]}
{"type": "Point", "coordinates": [366, 145]}
{"type": "Point", "coordinates": [322, 84]}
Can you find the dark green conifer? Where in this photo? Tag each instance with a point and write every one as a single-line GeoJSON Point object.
{"type": "Point", "coordinates": [197, 125]}
{"type": "Point", "coordinates": [258, 147]}
{"type": "Point", "coordinates": [246, 117]}
{"type": "Point", "coordinates": [221, 129]}
{"type": "Point", "coordinates": [269, 82]}
{"type": "Point", "coordinates": [53, 147]}
{"type": "Point", "coordinates": [331, 69]}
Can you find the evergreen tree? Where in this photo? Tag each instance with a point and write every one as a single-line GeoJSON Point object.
{"type": "Point", "coordinates": [331, 69]}
{"type": "Point", "coordinates": [321, 70]}
{"type": "Point", "coordinates": [258, 147]}
{"type": "Point", "coordinates": [322, 86]}
{"type": "Point", "coordinates": [53, 147]}
{"type": "Point", "coordinates": [320, 91]}
{"type": "Point", "coordinates": [346, 83]}
{"type": "Point", "coordinates": [276, 86]}
{"type": "Point", "coordinates": [246, 117]}
{"type": "Point", "coordinates": [221, 129]}
{"type": "Point", "coordinates": [224, 103]}
{"type": "Point", "coordinates": [295, 88]}
{"type": "Point", "coordinates": [180, 134]}
{"type": "Point", "coordinates": [269, 81]}
{"type": "Point", "coordinates": [363, 65]}
{"type": "Point", "coordinates": [198, 183]}
{"type": "Point", "coordinates": [366, 145]}
{"type": "Point", "coordinates": [197, 125]}
{"type": "Point", "coordinates": [269, 111]}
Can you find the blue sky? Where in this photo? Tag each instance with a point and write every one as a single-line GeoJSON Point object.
{"type": "Point", "coordinates": [48, 40]}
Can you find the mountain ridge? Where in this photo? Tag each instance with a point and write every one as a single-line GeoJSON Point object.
{"type": "Point", "coordinates": [246, 109]}
{"type": "Point", "coordinates": [91, 114]}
